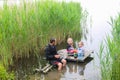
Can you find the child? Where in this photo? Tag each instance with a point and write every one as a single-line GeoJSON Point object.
{"type": "Point", "coordinates": [70, 47]}
{"type": "Point", "coordinates": [80, 50]}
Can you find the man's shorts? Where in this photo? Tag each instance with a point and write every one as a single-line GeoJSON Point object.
{"type": "Point", "coordinates": [55, 62]}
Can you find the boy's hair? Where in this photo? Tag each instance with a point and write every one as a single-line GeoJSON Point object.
{"type": "Point", "coordinates": [52, 40]}
{"type": "Point", "coordinates": [81, 42]}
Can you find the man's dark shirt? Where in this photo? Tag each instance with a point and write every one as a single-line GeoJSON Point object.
{"type": "Point", "coordinates": [50, 51]}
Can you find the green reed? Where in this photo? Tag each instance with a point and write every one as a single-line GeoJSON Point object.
{"type": "Point", "coordinates": [110, 65]}
{"type": "Point", "coordinates": [25, 29]}
{"type": "Point", "coordinates": [115, 51]}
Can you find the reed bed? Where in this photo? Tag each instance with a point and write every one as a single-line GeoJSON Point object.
{"type": "Point", "coordinates": [110, 63]}
{"type": "Point", "coordinates": [27, 28]}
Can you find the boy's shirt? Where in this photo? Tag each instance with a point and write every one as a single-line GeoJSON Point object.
{"type": "Point", "coordinates": [81, 50]}
{"type": "Point", "coordinates": [80, 53]}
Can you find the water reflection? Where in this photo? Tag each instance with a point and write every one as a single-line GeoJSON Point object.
{"type": "Point", "coordinates": [75, 70]}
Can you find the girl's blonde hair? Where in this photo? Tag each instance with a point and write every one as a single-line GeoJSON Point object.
{"type": "Point", "coordinates": [69, 40]}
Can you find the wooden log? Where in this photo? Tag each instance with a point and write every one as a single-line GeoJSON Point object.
{"type": "Point", "coordinates": [47, 69]}
{"type": "Point", "coordinates": [44, 68]}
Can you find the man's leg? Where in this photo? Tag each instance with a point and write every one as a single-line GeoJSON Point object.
{"type": "Point", "coordinates": [59, 66]}
{"type": "Point", "coordinates": [64, 62]}
{"type": "Point", "coordinates": [57, 63]}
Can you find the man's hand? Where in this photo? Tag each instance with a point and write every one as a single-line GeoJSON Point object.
{"type": "Point", "coordinates": [57, 56]}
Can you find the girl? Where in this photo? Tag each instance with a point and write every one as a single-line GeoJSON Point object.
{"type": "Point", "coordinates": [70, 47]}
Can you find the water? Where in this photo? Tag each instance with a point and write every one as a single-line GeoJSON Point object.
{"type": "Point", "coordinates": [100, 12]}
{"type": "Point", "coordinates": [73, 71]}
{"type": "Point", "coordinates": [98, 27]}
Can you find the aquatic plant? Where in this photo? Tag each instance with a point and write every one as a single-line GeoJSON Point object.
{"type": "Point", "coordinates": [26, 28]}
{"type": "Point", "coordinates": [115, 51]}
{"type": "Point", "coordinates": [4, 75]}
{"type": "Point", "coordinates": [110, 64]}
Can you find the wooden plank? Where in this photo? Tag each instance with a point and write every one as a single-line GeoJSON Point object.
{"type": "Point", "coordinates": [87, 54]}
{"type": "Point", "coordinates": [63, 53]}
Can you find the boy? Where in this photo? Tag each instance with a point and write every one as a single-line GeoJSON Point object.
{"type": "Point", "coordinates": [80, 50]}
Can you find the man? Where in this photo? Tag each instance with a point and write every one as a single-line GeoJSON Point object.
{"type": "Point", "coordinates": [52, 56]}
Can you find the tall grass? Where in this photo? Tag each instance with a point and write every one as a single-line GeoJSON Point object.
{"type": "Point", "coordinates": [111, 62]}
{"type": "Point", "coordinates": [26, 29]}
{"type": "Point", "coordinates": [115, 49]}
{"type": "Point", "coordinates": [105, 61]}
